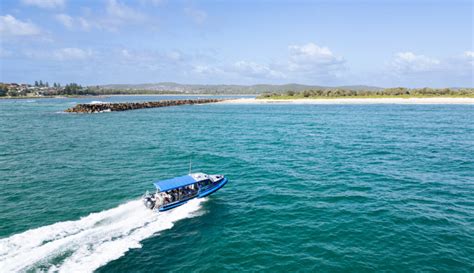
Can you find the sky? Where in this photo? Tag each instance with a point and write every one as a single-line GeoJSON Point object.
{"type": "Point", "coordinates": [362, 42]}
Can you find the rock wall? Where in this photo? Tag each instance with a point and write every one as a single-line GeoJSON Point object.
{"type": "Point", "coordinates": [124, 106]}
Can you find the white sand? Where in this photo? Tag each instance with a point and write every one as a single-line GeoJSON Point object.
{"type": "Point", "coordinates": [355, 101]}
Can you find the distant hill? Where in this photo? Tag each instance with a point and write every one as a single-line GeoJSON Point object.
{"type": "Point", "coordinates": [227, 89]}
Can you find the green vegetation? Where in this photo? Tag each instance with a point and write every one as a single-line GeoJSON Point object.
{"type": "Point", "coordinates": [228, 89]}
{"type": "Point", "coordinates": [3, 89]}
{"type": "Point", "coordinates": [100, 91]}
{"type": "Point", "coordinates": [44, 89]}
{"type": "Point", "coordinates": [289, 91]}
{"type": "Point", "coordinates": [399, 92]}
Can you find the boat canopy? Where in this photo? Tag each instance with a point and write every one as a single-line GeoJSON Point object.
{"type": "Point", "coordinates": [178, 182]}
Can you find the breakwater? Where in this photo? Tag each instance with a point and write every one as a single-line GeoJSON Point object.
{"type": "Point", "coordinates": [124, 106]}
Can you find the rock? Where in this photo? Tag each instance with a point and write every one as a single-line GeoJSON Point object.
{"type": "Point", "coordinates": [123, 106]}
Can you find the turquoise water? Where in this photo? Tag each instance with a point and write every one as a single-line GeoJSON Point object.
{"type": "Point", "coordinates": [357, 188]}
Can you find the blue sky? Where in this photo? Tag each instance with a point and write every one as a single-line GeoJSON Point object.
{"type": "Point", "coordinates": [381, 43]}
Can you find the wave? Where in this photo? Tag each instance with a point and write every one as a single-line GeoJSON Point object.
{"type": "Point", "coordinates": [90, 242]}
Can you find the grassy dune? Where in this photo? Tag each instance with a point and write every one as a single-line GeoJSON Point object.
{"type": "Point", "coordinates": [383, 93]}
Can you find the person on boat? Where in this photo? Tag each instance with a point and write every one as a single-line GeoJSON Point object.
{"type": "Point", "coordinates": [171, 194]}
{"type": "Point", "coordinates": [159, 199]}
{"type": "Point", "coordinates": [175, 195]}
{"type": "Point", "coordinates": [166, 198]}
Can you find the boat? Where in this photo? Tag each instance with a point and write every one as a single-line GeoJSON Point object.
{"type": "Point", "coordinates": [174, 192]}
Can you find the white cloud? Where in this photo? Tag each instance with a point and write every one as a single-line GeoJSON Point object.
{"type": "Point", "coordinates": [462, 65]}
{"type": "Point", "coordinates": [198, 16]}
{"type": "Point", "coordinates": [115, 15]}
{"type": "Point", "coordinates": [121, 11]}
{"type": "Point", "coordinates": [126, 54]}
{"type": "Point", "coordinates": [72, 22]}
{"type": "Point", "coordinates": [47, 4]}
{"type": "Point", "coordinates": [141, 57]}
{"type": "Point", "coordinates": [408, 62]}
{"type": "Point", "coordinates": [11, 26]}
{"type": "Point", "coordinates": [255, 70]}
{"type": "Point", "coordinates": [206, 69]}
{"type": "Point", "coordinates": [305, 63]}
{"type": "Point", "coordinates": [61, 54]}
{"type": "Point", "coordinates": [311, 52]}
{"type": "Point", "coordinates": [65, 19]}
{"type": "Point", "coordinates": [469, 57]}
{"type": "Point", "coordinates": [311, 58]}
{"type": "Point", "coordinates": [149, 59]}
{"type": "Point", "coordinates": [71, 53]}
{"type": "Point", "coordinates": [310, 63]}
{"type": "Point", "coordinates": [152, 2]}
{"type": "Point", "coordinates": [83, 23]}
{"type": "Point", "coordinates": [410, 69]}
{"type": "Point", "coordinates": [174, 56]}
{"type": "Point", "coordinates": [155, 2]}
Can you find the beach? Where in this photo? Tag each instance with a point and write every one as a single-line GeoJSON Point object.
{"type": "Point", "coordinates": [439, 100]}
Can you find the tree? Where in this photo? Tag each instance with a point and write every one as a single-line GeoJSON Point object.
{"type": "Point", "coordinates": [72, 89]}
{"type": "Point", "coordinates": [12, 93]}
{"type": "Point", "coordinates": [3, 90]}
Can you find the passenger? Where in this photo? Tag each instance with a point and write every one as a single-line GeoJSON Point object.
{"type": "Point", "coordinates": [159, 200]}
{"type": "Point", "coordinates": [173, 197]}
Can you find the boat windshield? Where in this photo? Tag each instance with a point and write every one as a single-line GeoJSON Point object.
{"type": "Point", "coordinates": [207, 184]}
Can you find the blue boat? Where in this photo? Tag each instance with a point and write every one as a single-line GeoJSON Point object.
{"type": "Point", "coordinates": [174, 192]}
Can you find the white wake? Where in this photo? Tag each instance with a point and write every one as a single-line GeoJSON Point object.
{"type": "Point", "coordinates": [90, 242]}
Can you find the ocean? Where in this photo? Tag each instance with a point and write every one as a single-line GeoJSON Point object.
{"type": "Point", "coordinates": [312, 188]}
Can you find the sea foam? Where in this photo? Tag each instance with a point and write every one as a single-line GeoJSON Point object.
{"type": "Point", "coordinates": [90, 242]}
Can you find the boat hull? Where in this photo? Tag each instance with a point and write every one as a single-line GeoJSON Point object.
{"type": "Point", "coordinates": [213, 189]}
{"type": "Point", "coordinates": [208, 192]}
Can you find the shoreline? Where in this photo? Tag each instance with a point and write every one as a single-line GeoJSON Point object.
{"type": "Point", "coordinates": [390, 100]}
{"type": "Point", "coordinates": [433, 100]}
{"type": "Point", "coordinates": [122, 95]}
{"type": "Point", "coordinates": [183, 95]}
{"type": "Point", "coordinates": [51, 97]}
